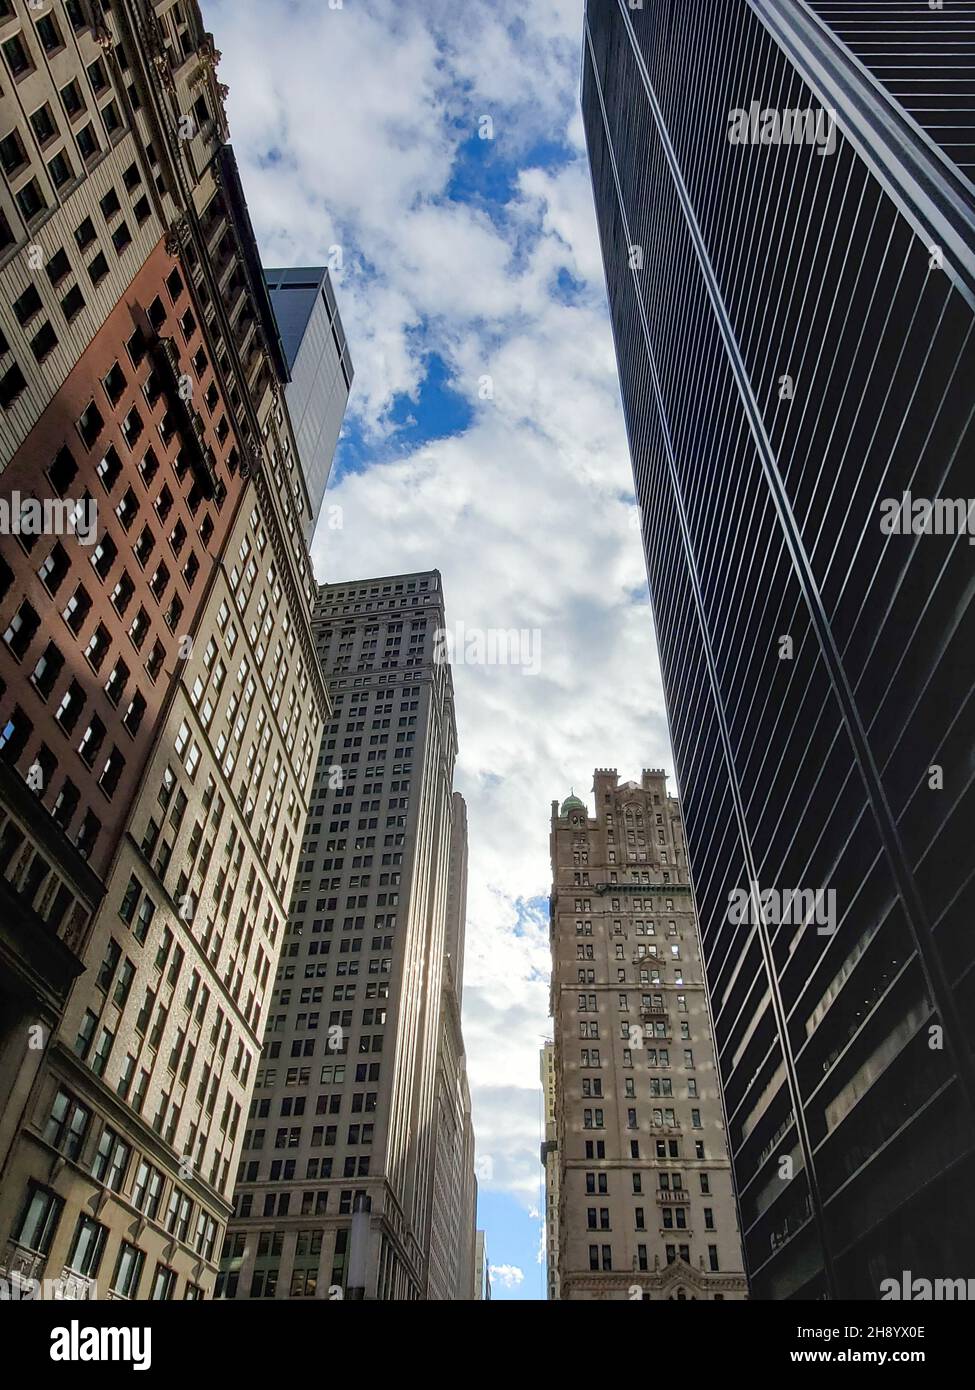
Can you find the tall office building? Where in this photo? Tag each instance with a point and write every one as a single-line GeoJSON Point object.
{"type": "Point", "coordinates": [786, 215]}
{"type": "Point", "coordinates": [457, 892]}
{"type": "Point", "coordinates": [161, 703]}
{"type": "Point", "coordinates": [321, 370]}
{"type": "Point", "coordinates": [453, 1193]}
{"type": "Point", "coordinates": [345, 1109]}
{"type": "Point", "coordinates": [645, 1193]}
{"type": "Point", "coordinates": [482, 1270]}
{"type": "Point", "coordinates": [550, 1162]}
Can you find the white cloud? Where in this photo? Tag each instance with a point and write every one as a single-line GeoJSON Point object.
{"type": "Point", "coordinates": [508, 1276]}
{"type": "Point", "coordinates": [525, 513]}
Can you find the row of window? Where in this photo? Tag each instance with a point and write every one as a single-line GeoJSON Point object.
{"type": "Point", "coordinates": [601, 1256]}
{"type": "Point", "coordinates": [24, 624]}
{"type": "Point", "coordinates": [669, 1181]}
{"type": "Point", "coordinates": [35, 1231]}
{"type": "Point", "coordinates": [671, 1218]}
{"type": "Point", "coordinates": [304, 1274]}
{"type": "Point", "coordinates": [594, 1118]}
{"type": "Point", "coordinates": [663, 1148]}
{"type": "Point", "coordinates": [592, 1088]}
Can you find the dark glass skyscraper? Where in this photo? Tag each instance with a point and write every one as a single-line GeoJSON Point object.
{"type": "Point", "coordinates": [787, 225]}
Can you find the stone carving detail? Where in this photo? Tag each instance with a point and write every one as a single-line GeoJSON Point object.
{"type": "Point", "coordinates": [208, 54]}
{"type": "Point", "coordinates": [158, 53]}
{"type": "Point", "coordinates": [250, 461]}
{"type": "Point", "coordinates": [209, 57]}
{"type": "Point", "coordinates": [178, 237]}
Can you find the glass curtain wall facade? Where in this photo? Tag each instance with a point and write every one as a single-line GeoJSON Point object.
{"type": "Point", "coordinates": [788, 254]}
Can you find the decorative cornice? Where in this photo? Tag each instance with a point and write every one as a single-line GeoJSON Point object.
{"type": "Point", "coordinates": [639, 887]}
{"type": "Point", "coordinates": [178, 236]}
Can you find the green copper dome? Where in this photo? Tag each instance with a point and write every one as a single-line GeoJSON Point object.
{"type": "Point", "coordinates": [572, 803]}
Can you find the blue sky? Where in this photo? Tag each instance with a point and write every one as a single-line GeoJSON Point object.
{"type": "Point", "coordinates": [439, 147]}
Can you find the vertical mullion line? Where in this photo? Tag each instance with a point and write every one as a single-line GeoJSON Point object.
{"type": "Point", "coordinates": [792, 1080]}
{"type": "Point", "coordinates": [929, 957]}
{"type": "Point", "coordinates": [932, 967]}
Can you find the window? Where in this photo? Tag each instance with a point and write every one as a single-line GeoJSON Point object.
{"type": "Point", "coordinates": [39, 1219]}
{"type": "Point", "coordinates": [90, 425]}
{"type": "Point", "coordinates": [134, 714]}
{"type": "Point", "coordinates": [122, 593]}
{"type": "Point", "coordinates": [13, 155]}
{"type": "Point", "coordinates": [67, 1125]}
{"type": "Point", "coordinates": [155, 662]}
{"type": "Point", "coordinates": [123, 984]}
{"type": "Point", "coordinates": [132, 427]}
{"type": "Point", "coordinates": [27, 306]}
{"type": "Point", "coordinates": [163, 1284]}
{"type": "Point", "coordinates": [128, 1271]}
{"type": "Point", "coordinates": [92, 741]}
{"type": "Point", "coordinates": [49, 34]}
{"type": "Point", "coordinates": [76, 14]}
{"type": "Point", "coordinates": [72, 303]}
{"type": "Point", "coordinates": [104, 556]}
{"type": "Point", "coordinates": [43, 343]}
{"type": "Point", "coordinates": [85, 234]}
{"type": "Point", "coordinates": [86, 1032]}
{"type": "Point", "coordinates": [127, 509]}
{"type": "Point", "coordinates": [97, 77]}
{"type": "Point", "coordinates": [178, 1214]}
{"type": "Point", "coordinates": [152, 389]}
{"type": "Point", "coordinates": [88, 143]}
{"type": "Point", "coordinates": [109, 467]}
{"type": "Point", "coordinates": [130, 900]}
{"type": "Point", "coordinates": [77, 609]}
{"type": "Point", "coordinates": [60, 170]}
{"type": "Point", "coordinates": [110, 205]}
{"type": "Point", "coordinates": [12, 383]}
{"type": "Point", "coordinates": [87, 1247]}
{"type": "Point", "coordinates": [72, 99]}
{"type": "Point", "coordinates": [147, 1190]}
{"type": "Point", "coordinates": [30, 202]}
{"type": "Point", "coordinates": [62, 471]}
{"type": "Point", "coordinates": [136, 348]}
{"type": "Point", "coordinates": [47, 670]}
{"type": "Point", "coordinates": [103, 1051]}
{"type": "Point", "coordinates": [58, 266]}
{"type": "Point", "coordinates": [98, 268]}
{"type": "Point", "coordinates": [121, 237]}
{"type": "Point", "coordinates": [43, 124]}
{"type": "Point", "coordinates": [69, 710]}
{"type": "Point", "coordinates": [114, 384]}
{"type": "Point", "coordinates": [20, 632]}
{"type": "Point", "coordinates": [88, 834]}
{"type": "Point", "coordinates": [149, 467]}
{"type": "Point", "coordinates": [16, 55]}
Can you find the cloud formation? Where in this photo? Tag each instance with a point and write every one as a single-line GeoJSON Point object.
{"type": "Point", "coordinates": [359, 127]}
{"type": "Point", "coordinates": [509, 1276]}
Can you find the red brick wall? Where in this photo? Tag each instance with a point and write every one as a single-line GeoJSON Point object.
{"type": "Point", "coordinates": [26, 475]}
